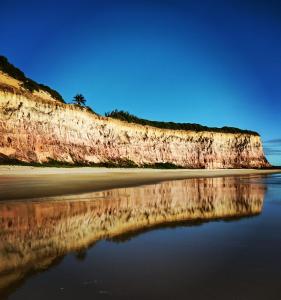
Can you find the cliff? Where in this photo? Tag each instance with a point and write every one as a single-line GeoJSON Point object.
{"type": "Point", "coordinates": [36, 127]}
{"type": "Point", "coordinates": [34, 234]}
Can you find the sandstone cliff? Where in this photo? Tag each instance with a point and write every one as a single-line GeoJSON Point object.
{"type": "Point", "coordinates": [35, 127]}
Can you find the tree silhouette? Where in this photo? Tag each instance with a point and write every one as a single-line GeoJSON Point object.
{"type": "Point", "coordinates": [79, 99]}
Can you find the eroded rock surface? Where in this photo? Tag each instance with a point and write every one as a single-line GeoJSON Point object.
{"type": "Point", "coordinates": [34, 127]}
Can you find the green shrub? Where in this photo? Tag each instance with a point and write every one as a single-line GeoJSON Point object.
{"type": "Point", "coordinates": [11, 70]}
{"type": "Point", "coordinates": [52, 92]}
{"type": "Point", "coordinates": [126, 116]}
{"type": "Point", "coordinates": [27, 83]}
{"type": "Point", "coordinates": [30, 85]}
{"type": "Point", "coordinates": [162, 166]}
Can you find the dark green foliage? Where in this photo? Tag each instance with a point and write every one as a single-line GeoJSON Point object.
{"type": "Point", "coordinates": [6, 160]}
{"type": "Point", "coordinates": [89, 109]}
{"type": "Point", "coordinates": [162, 166]}
{"type": "Point", "coordinates": [79, 99]}
{"type": "Point", "coordinates": [30, 85]}
{"type": "Point", "coordinates": [117, 163]}
{"type": "Point", "coordinates": [125, 116]}
{"type": "Point", "coordinates": [27, 83]}
{"type": "Point", "coordinates": [11, 70]}
{"type": "Point", "coordinates": [52, 92]}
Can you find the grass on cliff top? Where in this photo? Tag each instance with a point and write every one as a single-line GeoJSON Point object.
{"type": "Point", "coordinates": [27, 83]}
{"type": "Point", "coordinates": [126, 116]}
{"type": "Point", "coordinates": [31, 85]}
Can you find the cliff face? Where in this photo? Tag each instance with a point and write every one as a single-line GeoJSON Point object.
{"type": "Point", "coordinates": [35, 233]}
{"type": "Point", "coordinates": [34, 127]}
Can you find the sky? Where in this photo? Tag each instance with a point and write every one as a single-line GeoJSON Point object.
{"type": "Point", "coordinates": [212, 62]}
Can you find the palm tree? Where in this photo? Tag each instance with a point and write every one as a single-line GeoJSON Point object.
{"type": "Point", "coordinates": [79, 99]}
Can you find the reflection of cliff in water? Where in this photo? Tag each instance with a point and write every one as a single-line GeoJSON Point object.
{"type": "Point", "coordinates": [33, 234]}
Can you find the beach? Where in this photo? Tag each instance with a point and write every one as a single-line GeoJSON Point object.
{"type": "Point", "coordinates": [26, 182]}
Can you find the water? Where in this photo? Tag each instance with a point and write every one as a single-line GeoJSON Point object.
{"type": "Point", "coordinates": [211, 238]}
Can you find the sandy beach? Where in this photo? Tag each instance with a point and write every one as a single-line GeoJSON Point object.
{"type": "Point", "coordinates": [24, 182]}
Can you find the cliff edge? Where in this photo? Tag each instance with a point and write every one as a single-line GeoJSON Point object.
{"type": "Point", "coordinates": [37, 126]}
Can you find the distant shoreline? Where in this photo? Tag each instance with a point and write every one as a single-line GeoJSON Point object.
{"type": "Point", "coordinates": [25, 182]}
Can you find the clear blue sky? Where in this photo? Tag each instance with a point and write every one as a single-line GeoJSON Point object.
{"type": "Point", "coordinates": [202, 61]}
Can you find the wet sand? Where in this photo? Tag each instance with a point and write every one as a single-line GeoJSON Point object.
{"type": "Point", "coordinates": [23, 182]}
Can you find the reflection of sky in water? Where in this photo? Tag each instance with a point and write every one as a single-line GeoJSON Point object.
{"type": "Point", "coordinates": [273, 184]}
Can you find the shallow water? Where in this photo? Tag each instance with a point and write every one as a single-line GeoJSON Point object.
{"type": "Point", "coordinates": [204, 238]}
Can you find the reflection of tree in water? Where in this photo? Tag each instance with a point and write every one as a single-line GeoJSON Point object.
{"type": "Point", "coordinates": [81, 254]}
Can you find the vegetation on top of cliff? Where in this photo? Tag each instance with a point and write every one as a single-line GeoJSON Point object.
{"type": "Point", "coordinates": [126, 116]}
{"type": "Point", "coordinates": [27, 83]}
{"type": "Point", "coordinates": [79, 99]}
